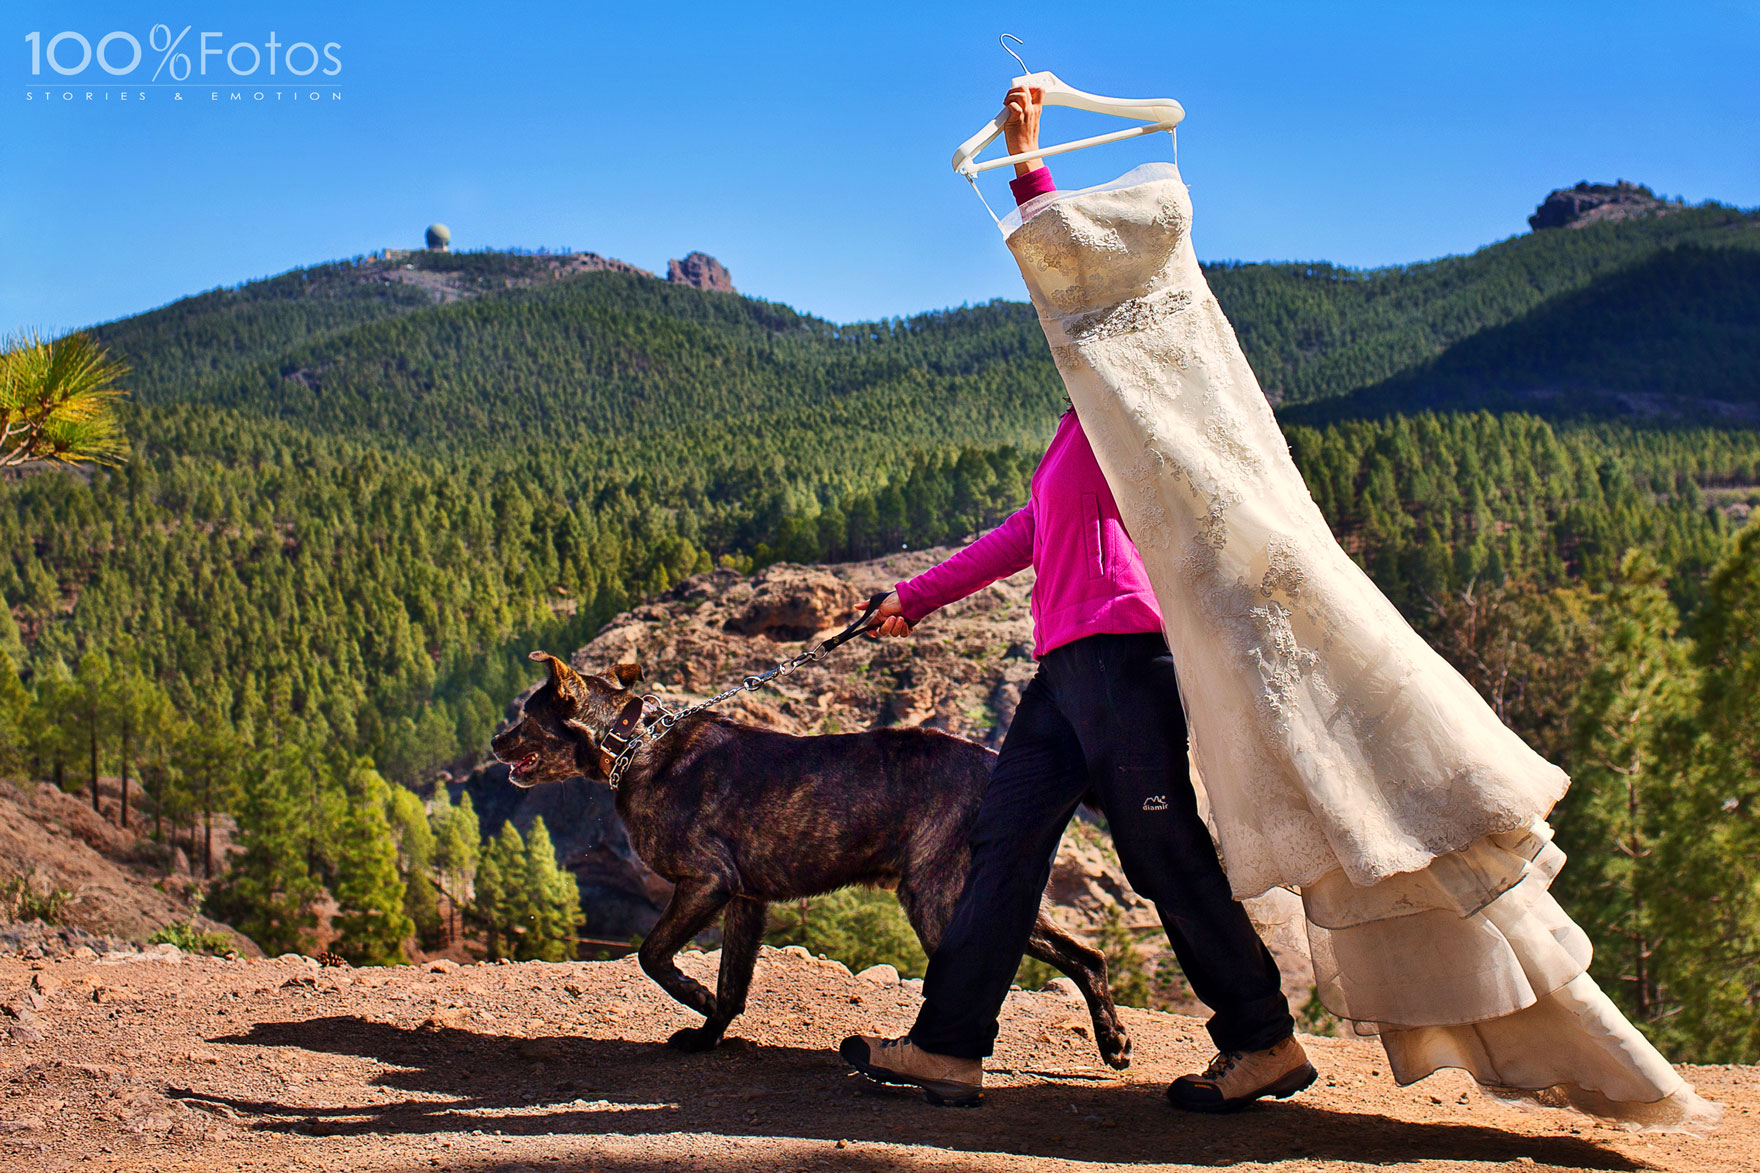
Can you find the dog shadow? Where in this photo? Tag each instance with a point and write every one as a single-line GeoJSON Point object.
{"type": "Point", "coordinates": [461, 1080]}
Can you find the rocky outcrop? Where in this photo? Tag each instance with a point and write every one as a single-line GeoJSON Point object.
{"type": "Point", "coordinates": [700, 271]}
{"type": "Point", "coordinates": [1592, 203]}
{"type": "Point", "coordinates": [451, 276]}
{"type": "Point", "coordinates": [792, 604]}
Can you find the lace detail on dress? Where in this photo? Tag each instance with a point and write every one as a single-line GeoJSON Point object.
{"type": "Point", "coordinates": [1126, 317]}
{"type": "Point", "coordinates": [1282, 661]}
{"type": "Point", "coordinates": [1098, 254]}
{"type": "Point", "coordinates": [1283, 572]}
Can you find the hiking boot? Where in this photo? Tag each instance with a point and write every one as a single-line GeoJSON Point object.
{"type": "Point", "coordinates": [949, 1082]}
{"type": "Point", "coordinates": [1235, 1079]}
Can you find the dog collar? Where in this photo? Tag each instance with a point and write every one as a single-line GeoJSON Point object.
{"type": "Point", "coordinates": [618, 739]}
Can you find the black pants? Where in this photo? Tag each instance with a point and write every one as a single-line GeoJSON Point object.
{"type": "Point", "coordinates": [1102, 714]}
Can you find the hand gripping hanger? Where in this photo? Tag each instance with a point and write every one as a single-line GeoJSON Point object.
{"type": "Point", "coordinates": [1158, 113]}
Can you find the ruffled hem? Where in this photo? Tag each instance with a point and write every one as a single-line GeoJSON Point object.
{"type": "Point", "coordinates": [1473, 964]}
{"type": "Point", "coordinates": [1255, 867]}
{"type": "Point", "coordinates": [1475, 936]}
{"type": "Point", "coordinates": [1571, 1049]}
{"type": "Point", "coordinates": [1682, 1111]}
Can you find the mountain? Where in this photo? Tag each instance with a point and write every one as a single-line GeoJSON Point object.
{"type": "Point", "coordinates": [571, 345]}
{"type": "Point", "coordinates": [1673, 336]}
{"type": "Point", "coordinates": [1314, 332]}
{"type": "Point", "coordinates": [362, 490]}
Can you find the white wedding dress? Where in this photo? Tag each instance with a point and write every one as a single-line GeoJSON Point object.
{"type": "Point", "coordinates": [1341, 756]}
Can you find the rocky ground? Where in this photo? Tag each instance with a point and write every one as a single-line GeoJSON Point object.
{"type": "Point", "coordinates": [169, 1062]}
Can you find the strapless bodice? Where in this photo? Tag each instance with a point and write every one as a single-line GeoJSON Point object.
{"type": "Point", "coordinates": [1093, 248]}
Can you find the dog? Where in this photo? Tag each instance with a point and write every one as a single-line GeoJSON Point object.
{"type": "Point", "coordinates": [738, 817]}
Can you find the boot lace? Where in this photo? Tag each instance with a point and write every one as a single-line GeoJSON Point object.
{"type": "Point", "coordinates": [1222, 1064]}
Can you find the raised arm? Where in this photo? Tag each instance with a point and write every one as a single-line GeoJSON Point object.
{"type": "Point", "coordinates": [1008, 548]}
{"type": "Point", "coordinates": [1021, 133]}
{"type": "Point", "coordinates": [1003, 551]}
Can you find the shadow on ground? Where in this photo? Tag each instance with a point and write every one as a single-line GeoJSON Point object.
{"type": "Point", "coordinates": [571, 1085]}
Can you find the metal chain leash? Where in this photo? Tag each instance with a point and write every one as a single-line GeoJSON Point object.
{"type": "Point", "coordinates": [670, 718]}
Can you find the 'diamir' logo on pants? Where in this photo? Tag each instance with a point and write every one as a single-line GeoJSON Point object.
{"type": "Point", "coordinates": [1155, 802]}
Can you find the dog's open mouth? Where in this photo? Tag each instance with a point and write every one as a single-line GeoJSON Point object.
{"type": "Point", "coordinates": [524, 766]}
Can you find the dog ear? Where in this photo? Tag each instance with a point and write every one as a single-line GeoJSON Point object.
{"type": "Point", "coordinates": [561, 675]}
{"type": "Point", "coordinates": [626, 674]}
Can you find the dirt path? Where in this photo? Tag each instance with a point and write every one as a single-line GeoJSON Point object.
{"type": "Point", "coordinates": [182, 1063]}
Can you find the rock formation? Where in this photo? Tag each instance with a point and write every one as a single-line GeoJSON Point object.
{"type": "Point", "coordinates": [1591, 203]}
{"type": "Point", "coordinates": [701, 271]}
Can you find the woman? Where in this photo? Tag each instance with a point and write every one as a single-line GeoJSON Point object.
{"type": "Point", "coordinates": [1341, 756]}
{"type": "Point", "coordinates": [1102, 714]}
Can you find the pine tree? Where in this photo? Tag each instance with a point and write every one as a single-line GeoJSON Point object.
{"type": "Point", "coordinates": [1126, 970]}
{"type": "Point", "coordinates": [58, 401]}
{"type": "Point", "coordinates": [857, 926]}
{"type": "Point", "coordinates": [142, 714]}
{"type": "Point", "coordinates": [555, 898]}
{"type": "Point", "coordinates": [458, 842]}
{"type": "Point", "coordinates": [415, 861]}
{"type": "Point", "coordinates": [94, 695]}
{"type": "Point", "coordinates": [1622, 804]}
{"type": "Point", "coordinates": [502, 906]}
{"type": "Point", "coordinates": [370, 893]}
{"type": "Point", "coordinates": [15, 711]}
{"type": "Point", "coordinates": [1719, 987]}
{"type": "Point", "coordinates": [11, 642]}
{"type": "Point", "coordinates": [51, 725]}
{"type": "Point", "coordinates": [268, 892]}
{"type": "Point", "coordinates": [207, 757]}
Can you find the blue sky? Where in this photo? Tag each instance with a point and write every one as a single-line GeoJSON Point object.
{"type": "Point", "coordinates": [807, 146]}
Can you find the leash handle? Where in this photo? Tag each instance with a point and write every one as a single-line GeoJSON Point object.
{"type": "Point", "coordinates": [859, 625]}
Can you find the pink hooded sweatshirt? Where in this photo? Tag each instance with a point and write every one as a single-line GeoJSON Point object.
{"type": "Point", "coordinates": [1091, 579]}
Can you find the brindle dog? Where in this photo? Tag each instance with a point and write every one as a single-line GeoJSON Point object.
{"type": "Point", "coordinates": [737, 817]}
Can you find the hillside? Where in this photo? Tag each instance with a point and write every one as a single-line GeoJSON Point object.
{"type": "Point", "coordinates": [360, 493]}
{"type": "Point", "coordinates": [118, 887]}
{"type": "Point", "coordinates": [1313, 332]}
{"type": "Point", "coordinates": [1674, 337]}
{"type": "Point", "coordinates": [177, 1064]}
{"type": "Point", "coordinates": [495, 348]}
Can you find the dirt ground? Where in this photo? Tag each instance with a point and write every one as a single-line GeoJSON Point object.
{"type": "Point", "coordinates": [162, 1061]}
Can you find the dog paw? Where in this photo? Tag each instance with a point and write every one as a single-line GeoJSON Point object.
{"type": "Point", "coordinates": [1116, 1051]}
{"type": "Point", "coordinates": [693, 1039]}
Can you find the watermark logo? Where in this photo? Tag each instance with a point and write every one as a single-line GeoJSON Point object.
{"type": "Point", "coordinates": [180, 60]}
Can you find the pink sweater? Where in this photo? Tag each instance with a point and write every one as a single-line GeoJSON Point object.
{"type": "Point", "coordinates": [1090, 577]}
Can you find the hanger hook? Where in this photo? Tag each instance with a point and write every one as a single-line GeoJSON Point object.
{"type": "Point", "coordinates": [1003, 40]}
